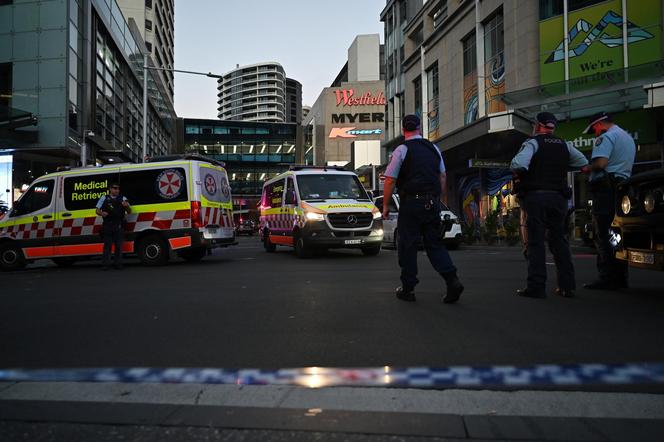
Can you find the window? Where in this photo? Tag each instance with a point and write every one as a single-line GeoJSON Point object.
{"type": "Point", "coordinates": [417, 99]}
{"type": "Point", "coordinates": [551, 8]}
{"type": "Point", "coordinates": [221, 131]}
{"type": "Point", "coordinates": [5, 84]}
{"type": "Point", "coordinates": [493, 37]}
{"type": "Point", "coordinates": [148, 45]}
{"type": "Point", "coordinates": [417, 37]}
{"type": "Point", "coordinates": [440, 14]}
{"type": "Point", "coordinates": [148, 25]}
{"type": "Point", "coordinates": [273, 194]}
{"type": "Point", "coordinates": [432, 86]}
{"type": "Point", "coordinates": [290, 193]}
{"type": "Point", "coordinates": [148, 4]}
{"type": "Point", "coordinates": [469, 54]}
{"type": "Point", "coordinates": [194, 130]}
{"type": "Point", "coordinates": [330, 186]}
{"type": "Point", "coordinates": [154, 186]}
{"type": "Point", "coordinates": [38, 197]}
{"type": "Point", "coordinates": [403, 11]}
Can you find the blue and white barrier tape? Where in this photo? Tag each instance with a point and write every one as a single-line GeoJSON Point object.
{"type": "Point", "coordinates": [314, 377]}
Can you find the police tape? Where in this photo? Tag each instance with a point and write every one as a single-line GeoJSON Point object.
{"type": "Point", "coordinates": [316, 377]}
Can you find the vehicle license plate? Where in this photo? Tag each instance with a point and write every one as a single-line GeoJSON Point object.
{"type": "Point", "coordinates": [353, 241]}
{"type": "Point", "coordinates": [641, 258]}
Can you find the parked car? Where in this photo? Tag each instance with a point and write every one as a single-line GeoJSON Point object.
{"type": "Point", "coordinates": [638, 227]}
{"type": "Point", "coordinates": [245, 227]}
{"type": "Point", "coordinates": [391, 233]}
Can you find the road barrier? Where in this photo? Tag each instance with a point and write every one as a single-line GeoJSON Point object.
{"type": "Point", "coordinates": [316, 377]}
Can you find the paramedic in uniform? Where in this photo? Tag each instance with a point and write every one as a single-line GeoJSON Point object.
{"type": "Point", "coordinates": [112, 208]}
{"type": "Point", "coordinates": [542, 165]}
{"type": "Point", "coordinates": [418, 170]}
{"type": "Point", "coordinates": [611, 162]}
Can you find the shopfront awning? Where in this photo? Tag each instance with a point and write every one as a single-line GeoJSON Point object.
{"type": "Point", "coordinates": [612, 91]}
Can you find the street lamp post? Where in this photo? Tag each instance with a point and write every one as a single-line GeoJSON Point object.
{"type": "Point", "coordinates": [146, 68]}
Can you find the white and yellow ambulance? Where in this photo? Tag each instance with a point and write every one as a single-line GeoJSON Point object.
{"type": "Point", "coordinates": [180, 205]}
{"type": "Point", "coordinates": [311, 208]}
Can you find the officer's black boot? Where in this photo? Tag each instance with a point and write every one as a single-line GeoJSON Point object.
{"type": "Point", "coordinates": [405, 294]}
{"type": "Point", "coordinates": [454, 288]}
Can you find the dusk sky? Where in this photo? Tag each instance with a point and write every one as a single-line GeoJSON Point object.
{"type": "Point", "coordinates": [310, 38]}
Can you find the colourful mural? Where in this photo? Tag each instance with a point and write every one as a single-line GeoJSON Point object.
{"type": "Point", "coordinates": [494, 70]}
{"type": "Point", "coordinates": [470, 103]}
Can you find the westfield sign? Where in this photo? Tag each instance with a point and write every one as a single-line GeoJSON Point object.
{"type": "Point", "coordinates": [347, 97]}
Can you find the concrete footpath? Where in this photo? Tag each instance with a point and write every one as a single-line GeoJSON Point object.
{"type": "Point", "coordinates": [117, 411]}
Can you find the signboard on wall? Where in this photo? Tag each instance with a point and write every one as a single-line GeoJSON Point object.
{"type": "Point", "coordinates": [596, 40]}
{"type": "Point", "coordinates": [6, 194]}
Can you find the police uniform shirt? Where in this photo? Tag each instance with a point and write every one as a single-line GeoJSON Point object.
{"type": "Point", "coordinates": [100, 203]}
{"type": "Point", "coordinates": [618, 147]}
{"type": "Point", "coordinates": [399, 155]}
{"type": "Point", "coordinates": [530, 147]}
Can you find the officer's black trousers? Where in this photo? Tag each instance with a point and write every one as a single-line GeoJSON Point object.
{"type": "Point", "coordinates": [547, 210]}
{"type": "Point", "coordinates": [610, 269]}
{"type": "Point", "coordinates": [421, 219]}
{"type": "Point", "coordinates": [113, 236]}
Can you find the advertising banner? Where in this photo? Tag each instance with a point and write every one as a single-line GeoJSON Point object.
{"type": "Point", "coordinates": [596, 39]}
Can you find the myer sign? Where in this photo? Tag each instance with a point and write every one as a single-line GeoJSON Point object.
{"type": "Point", "coordinates": [639, 124]}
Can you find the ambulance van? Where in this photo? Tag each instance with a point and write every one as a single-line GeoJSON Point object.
{"type": "Point", "coordinates": [180, 205]}
{"type": "Point", "coordinates": [314, 208]}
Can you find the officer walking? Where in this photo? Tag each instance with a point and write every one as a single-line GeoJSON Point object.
{"type": "Point", "coordinates": [611, 162]}
{"type": "Point", "coordinates": [418, 170]}
{"type": "Point", "coordinates": [112, 208]}
{"type": "Point", "coordinates": [542, 165]}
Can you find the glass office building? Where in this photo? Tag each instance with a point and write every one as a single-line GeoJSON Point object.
{"type": "Point", "coordinates": [73, 71]}
{"type": "Point", "coordinates": [253, 151]}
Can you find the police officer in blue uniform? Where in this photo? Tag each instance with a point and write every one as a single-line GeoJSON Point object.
{"type": "Point", "coordinates": [113, 208]}
{"type": "Point", "coordinates": [611, 162]}
{"type": "Point", "coordinates": [418, 171]}
{"type": "Point", "coordinates": [542, 165]}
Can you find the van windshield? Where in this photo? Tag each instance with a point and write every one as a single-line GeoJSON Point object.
{"type": "Point", "coordinates": [330, 187]}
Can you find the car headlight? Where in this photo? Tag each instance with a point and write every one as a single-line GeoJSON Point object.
{"type": "Point", "coordinates": [377, 215]}
{"type": "Point", "coordinates": [626, 205]}
{"type": "Point", "coordinates": [649, 203]}
{"type": "Point", "coordinates": [313, 216]}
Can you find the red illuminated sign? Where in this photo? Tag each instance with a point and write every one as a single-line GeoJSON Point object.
{"type": "Point", "coordinates": [346, 97]}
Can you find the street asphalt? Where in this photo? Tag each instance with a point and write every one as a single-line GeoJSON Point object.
{"type": "Point", "coordinates": [243, 307]}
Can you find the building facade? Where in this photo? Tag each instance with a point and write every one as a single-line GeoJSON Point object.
{"type": "Point", "coordinates": [396, 16]}
{"type": "Point", "coordinates": [155, 20]}
{"type": "Point", "coordinates": [71, 78]}
{"type": "Point", "coordinates": [346, 124]}
{"type": "Point", "coordinates": [253, 93]}
{"type": "Point", "coordinates": [479, 71]}
{"type": "Point", "coordinates": [293, 101]}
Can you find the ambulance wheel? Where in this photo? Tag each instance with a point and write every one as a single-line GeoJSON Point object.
{"type": "Point", "coordinates": [64, 262]}
{"type": "Point", "coordinates": [371, 251]}
{"type": "Point", "coordinates": [269, 247]}
{"type": "Point", "coordinates": [301, 249]}
{"type": "Point", "coordinates": [193, 255]}
{"type": "Point", "coordinates": [153, 251]}
{"type": "Point", "coordinates": [11, 257]}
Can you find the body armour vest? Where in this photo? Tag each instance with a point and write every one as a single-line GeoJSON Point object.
{"type": "Point", "coordinates": [420, 171]}
{"type": "Point", "coordinates": [549, 166]}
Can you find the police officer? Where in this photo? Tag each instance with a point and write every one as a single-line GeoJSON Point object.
{"type": "Point", "coordinates": [542, 165]}
{"type": "Point", "coordinates": [611, 162]}
{"type": "Point", "coordinates": [418, 170]}
{"type": "Point", "coordinates": [112, 208]}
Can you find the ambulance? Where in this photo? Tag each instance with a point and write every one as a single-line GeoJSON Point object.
{"type": "Point", "coordinates": [181, 205]}
{"type": "Point", "coordinates": [316, 208]}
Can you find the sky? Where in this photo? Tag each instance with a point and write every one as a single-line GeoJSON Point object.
{"type": "Point", "coordinates": [310, 38]}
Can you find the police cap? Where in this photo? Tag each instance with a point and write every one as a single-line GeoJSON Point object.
{"type": "Point", "coordinates": [547, 119]}
{"type": "Point", "coordinates": [600, 116]}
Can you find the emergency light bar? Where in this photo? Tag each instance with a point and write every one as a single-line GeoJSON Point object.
{"type": "Point", "coordinates": [305, 167]}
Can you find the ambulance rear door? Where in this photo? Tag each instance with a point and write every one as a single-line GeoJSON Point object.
{"type": "Point", "coordinates": [216, 202]}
